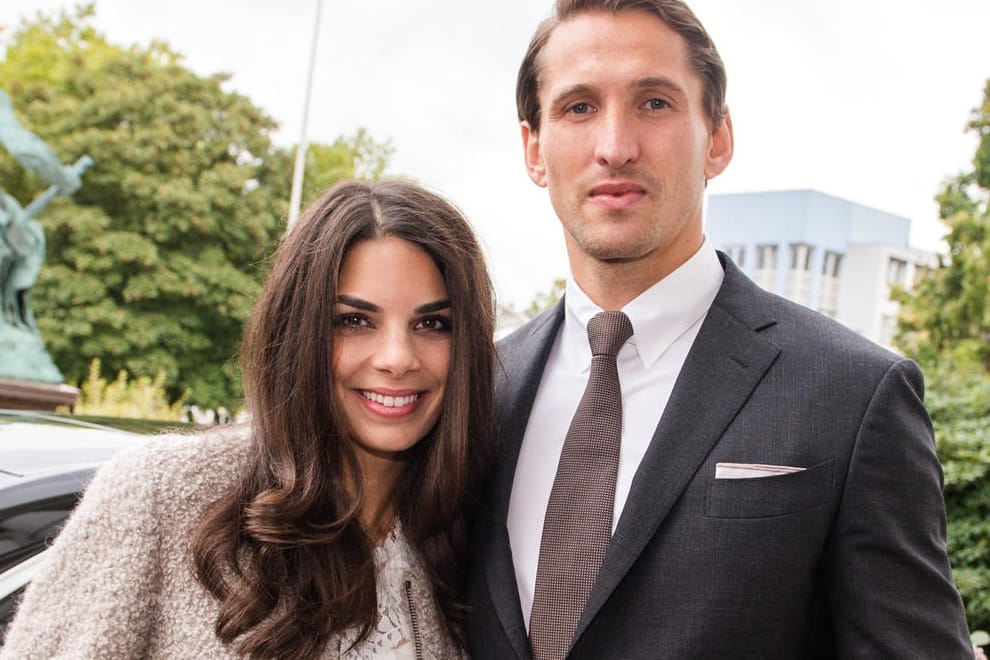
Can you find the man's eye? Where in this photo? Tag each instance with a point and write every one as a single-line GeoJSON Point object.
{"type": "Point", "coordinates": [581, 108]}
{"type": "Point", "coordinates": [657, 104]}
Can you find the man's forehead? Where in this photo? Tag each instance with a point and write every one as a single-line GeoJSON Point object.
{"type": "Point", "coordinates": [581, 42]}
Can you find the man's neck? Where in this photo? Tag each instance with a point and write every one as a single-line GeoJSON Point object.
{"type": "Point", "coordinates": [613, 284]}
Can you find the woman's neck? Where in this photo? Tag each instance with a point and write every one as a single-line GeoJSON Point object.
{"type": "Point", "coordinates": [379, 476]}
{"type": "Point", "coordinates": [377, 519]}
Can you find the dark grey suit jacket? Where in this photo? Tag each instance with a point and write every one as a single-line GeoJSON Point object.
{"type": "Point", "coordinates": [846, 559]}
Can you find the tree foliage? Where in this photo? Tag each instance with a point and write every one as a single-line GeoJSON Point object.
{"type": "Point", "coordinates": [357, 156]}
{"type": "Point", "coordinates": [947, 312]}
{"type": "Point", "coordinates": [959, 400]}
{"type": "Point", "coordinates": [945, 325]}
{"type": "Point", "coordinates": [544, 300]}
{"type": "Point", "coordinates": [154, 265]}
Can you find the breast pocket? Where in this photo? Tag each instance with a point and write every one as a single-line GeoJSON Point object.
{"type": "Point", "coordinates": [766, 497]}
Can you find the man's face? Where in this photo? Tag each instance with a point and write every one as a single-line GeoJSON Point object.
{"type": "Point", "coordinates": [624, 145]}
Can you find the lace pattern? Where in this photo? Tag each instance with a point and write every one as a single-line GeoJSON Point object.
{"type": "Point", "coordinates": [393, 636]}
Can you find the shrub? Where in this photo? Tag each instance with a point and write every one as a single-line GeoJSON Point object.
{"type": "Point", "coordinates": [141, 397]}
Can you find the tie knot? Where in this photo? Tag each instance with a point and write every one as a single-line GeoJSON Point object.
{"type": "Point", "coordinates": [608, 331]}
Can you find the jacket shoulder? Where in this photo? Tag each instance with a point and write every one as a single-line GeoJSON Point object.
{"type": "Point", "coordinates": [791, 326]}
{"type": "Point", "coordinates": [537, 330]}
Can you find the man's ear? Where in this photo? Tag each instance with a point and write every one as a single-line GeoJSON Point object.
{"type": "Point", "coordinates": [534, 156]}
{"type": "Point", "coordinates": [720, 146]}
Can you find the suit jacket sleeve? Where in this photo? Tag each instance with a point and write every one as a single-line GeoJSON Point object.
{"type": "Point", "coordinates": [95, 598]}
{"type": "Point", "coordinates": [890, 588]}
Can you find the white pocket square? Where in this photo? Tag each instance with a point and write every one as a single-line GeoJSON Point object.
{"type": "Point", "coordinates": [752, 470]}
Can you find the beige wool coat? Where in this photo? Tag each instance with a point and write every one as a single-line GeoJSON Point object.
{"type": "Point", "coordinates": [119, 584]}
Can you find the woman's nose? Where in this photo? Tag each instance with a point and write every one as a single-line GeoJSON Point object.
{"type": "Point", "coordinates": [396, 354]}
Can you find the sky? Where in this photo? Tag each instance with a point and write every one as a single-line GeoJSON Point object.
{"type": "Point", "coordinates": [863, 99]}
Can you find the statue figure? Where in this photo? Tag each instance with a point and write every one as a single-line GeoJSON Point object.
{"type": "Point", "coordinates": [31, 151]}
{"type": "Point", "coordinates": [22, 247]}
{"type": "Point", "coordinates": [22, 250]}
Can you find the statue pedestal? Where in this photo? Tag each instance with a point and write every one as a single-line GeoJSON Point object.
{"type": "Point", "coordinates": [23, 357]}
{"type": "Point", "coordinates": [31, 395]}
{"type": "Point", "coordinates": [29, 380]}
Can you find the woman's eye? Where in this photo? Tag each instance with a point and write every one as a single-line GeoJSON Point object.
{"type": "Point", "coordinates": [353, 321]}
{"type": "Point", "coordinates": [434, 324]}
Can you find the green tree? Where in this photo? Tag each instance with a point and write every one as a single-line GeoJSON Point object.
{"type": "Point", "coordinates": [357, 156]}
{"type": "Point", "coordinates": [947, 312]}
{"type": "Point", "coordinates": [945, 325]}
{"type": "Point", "coordinates": [510, 317]}
{"type": "Point", "coordinates": [154, 265]}
{"type": "Point", "coordinates": [958, 398]}
{"type": "Point", "coordinates": [544, 300]}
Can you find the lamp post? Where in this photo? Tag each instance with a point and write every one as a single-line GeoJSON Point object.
{"type": "Point", "coordinates": [299, 169]}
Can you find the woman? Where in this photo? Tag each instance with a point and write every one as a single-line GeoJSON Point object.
{"type": "Point", "coordinates": [334, 525]}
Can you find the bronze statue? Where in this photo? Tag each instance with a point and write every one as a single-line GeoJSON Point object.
{"type": "Point", "coordinates": [22, 247]}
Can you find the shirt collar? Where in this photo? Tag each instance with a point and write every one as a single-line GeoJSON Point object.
{"type": "Point", "coordinates": [659, 315]}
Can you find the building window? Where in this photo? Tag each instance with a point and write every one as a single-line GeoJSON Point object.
{"type": "Point", "coordinates": [766, 266]}
{"type": "Point", "coordinates": [766, 257]}
{"type": "Point", "coordinates": [831, 264]}
{"type": "Point", "coordinates": [896, 270]}
{"type": "Point", "coordinates": [736, 254]}
{"type": "Point", "coordinates": [828, 290]}
{"type": "Point", "coordinates": [800, 256]}
{"type": "Point", "coordinates": [799, 277]}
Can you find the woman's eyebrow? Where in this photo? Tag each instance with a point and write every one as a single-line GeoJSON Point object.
{"type": "Point", "coordinates": [358, 303]}
{"type": "Point", "coordinates": [351, 301]}
{"type": "Point", "coordinates": [433, 307]}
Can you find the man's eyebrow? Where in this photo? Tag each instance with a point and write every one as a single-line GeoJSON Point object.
{"type": "Point", "coordinates": [649, 82]}
{"type": "Point", "coordinates": [351, 301]}
{"type": "Point", "coordinates": [662, 82]}
{"type": "Point", "coordinates": [579, 89]}
{"type": "Point", "coordinates": [433, 307]}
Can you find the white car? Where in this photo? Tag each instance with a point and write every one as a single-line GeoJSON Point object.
{"type": "Point", "coordinates": [46, 461]}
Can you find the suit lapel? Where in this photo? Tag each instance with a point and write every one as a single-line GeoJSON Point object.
{"type": "Point", "coordinates": [523, 357]}
{"type": "Point", "coordinates": [728, 359]}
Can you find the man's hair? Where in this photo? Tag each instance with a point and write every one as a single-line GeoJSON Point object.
{"type": "Point", "coordinates": [284, 552]}
{"type": "Point", "coordinates": [702, 54]}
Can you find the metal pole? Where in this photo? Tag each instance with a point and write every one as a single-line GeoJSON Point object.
{"type": "Point", "coordinates": [299, 170]}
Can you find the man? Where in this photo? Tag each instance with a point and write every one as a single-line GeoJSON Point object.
{"type": "Point", "coordinates": [776, 492]}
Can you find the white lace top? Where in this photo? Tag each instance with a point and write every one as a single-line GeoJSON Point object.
{"type": "Point", "coordinates": [396, 635]}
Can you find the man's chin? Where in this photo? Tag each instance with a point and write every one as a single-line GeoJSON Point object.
{"type": "Point", "coordinates": [618, 254]}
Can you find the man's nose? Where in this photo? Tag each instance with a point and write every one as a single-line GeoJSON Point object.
{"type": "Point", "coordinates": [617, 141]}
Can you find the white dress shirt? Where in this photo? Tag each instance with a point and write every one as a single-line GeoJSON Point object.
{"type": "Point", "coordinates": [665, 319]}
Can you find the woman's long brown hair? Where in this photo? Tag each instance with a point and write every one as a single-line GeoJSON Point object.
{"type": "Point", "coordinates": [284, 552]}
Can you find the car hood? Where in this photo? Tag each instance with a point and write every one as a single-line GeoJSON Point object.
{"type": "Point", "coordinates": [30, 449]}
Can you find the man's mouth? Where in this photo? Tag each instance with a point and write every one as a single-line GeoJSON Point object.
{"type": "Point", "coordinates": [617, 195]}
{"type": "Point", "coordinates": [617, 189]}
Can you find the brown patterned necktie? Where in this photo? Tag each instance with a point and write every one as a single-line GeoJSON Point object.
{"type": "Point", "coordinates": [578, 523]}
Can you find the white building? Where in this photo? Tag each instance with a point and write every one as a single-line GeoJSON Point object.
{"type": "Point", "coordinates": [832, 255]}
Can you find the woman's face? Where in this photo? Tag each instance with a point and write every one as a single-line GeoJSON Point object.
{"type": "Point", "coordinates": [391, 346]}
